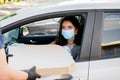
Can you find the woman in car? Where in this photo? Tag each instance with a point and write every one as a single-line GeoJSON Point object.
{"type": "Point", "coordinates": [69, 36]}
{"type": "Point", "coordinates": [9, 73]}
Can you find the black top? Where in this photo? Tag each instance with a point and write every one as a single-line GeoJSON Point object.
{"type": "Point", "coordinates": [75, 52]}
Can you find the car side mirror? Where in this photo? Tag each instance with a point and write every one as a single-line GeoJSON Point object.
{"type": "Point", "coordinates": [24, 31]}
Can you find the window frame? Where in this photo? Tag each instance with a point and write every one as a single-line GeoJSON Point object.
{"type": "Point", "coordinates": [87, 34]}
{"type": "Point", "coordinates": [96, 49]}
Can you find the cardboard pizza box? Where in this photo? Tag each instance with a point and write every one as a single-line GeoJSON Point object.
{"type": "Point", "coordinates": [49, 59]}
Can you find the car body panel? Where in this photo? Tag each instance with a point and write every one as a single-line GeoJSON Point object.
{"type": "Point", "coordinates": [108, 69]}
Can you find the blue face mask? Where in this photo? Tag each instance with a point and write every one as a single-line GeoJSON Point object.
{"type": "Point", "coordinates": [68, 34]}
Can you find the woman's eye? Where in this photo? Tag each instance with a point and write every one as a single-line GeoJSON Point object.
{"type": "Point", "coordinates": [63, 27]}
{"type": "Point", "coordinates": [70, 27]}
{"type": "Point", "coordinates": [67, 27]}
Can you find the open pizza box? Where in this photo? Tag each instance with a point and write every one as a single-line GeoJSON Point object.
{"type": "Point", "coordinates": [49, 59]}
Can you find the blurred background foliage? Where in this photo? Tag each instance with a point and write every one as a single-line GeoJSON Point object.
{"type": "Point", "coordinates": [7, 1]}
{"type": "Point", "coordinates": [8, 7]}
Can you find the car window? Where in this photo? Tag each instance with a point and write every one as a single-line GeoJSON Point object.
{"type": "Point", "coordinates": [43, 31]}
{"type": "Point", "coordinates": [38, 32]}
{"type": "Point", "coordinates": [111, 34]}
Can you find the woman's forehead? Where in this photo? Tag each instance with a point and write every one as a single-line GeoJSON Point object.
{"type": "Point", "coordinates": [67, 22]}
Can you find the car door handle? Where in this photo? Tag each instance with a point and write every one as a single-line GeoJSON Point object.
{"type": "Point", "coordinates": [64, 77]}
{"type": "Point", "coordinates": [32, 41]}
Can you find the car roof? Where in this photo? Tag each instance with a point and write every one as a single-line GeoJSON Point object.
{"type": "Point", "coordinates": [61, 6]}
{"type": "Point", "coordinates": [73, 5]}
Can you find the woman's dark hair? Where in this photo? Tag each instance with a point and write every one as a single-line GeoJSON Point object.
{"type": "Point", "coordinates": [60, 40]}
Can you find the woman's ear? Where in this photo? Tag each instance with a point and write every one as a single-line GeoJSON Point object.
{"type": "Point", "coordinates": [76, 30]}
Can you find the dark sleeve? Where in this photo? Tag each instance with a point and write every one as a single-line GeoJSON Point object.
{"type": "Point", "coordinates": [76, 52]}
{"type": "Point", "coordinates": [1, 40]}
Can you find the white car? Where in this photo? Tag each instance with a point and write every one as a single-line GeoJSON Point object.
{"type": "Point", "coordinates": [100, 43]}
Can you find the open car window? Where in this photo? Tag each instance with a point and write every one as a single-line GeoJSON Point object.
{"type": "Point", "coordinates": [41, 32]}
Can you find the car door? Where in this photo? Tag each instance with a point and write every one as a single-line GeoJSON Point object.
{"type": "Point", "coordinates": [82, 64]}
{"type": "Point", "coordinates": [105, 53]}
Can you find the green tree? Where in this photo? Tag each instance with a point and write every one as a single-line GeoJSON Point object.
{"type": "Point", "coordinates": [6, 1]}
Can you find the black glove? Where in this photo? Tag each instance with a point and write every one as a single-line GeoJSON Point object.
{"type": "Point", "coordinates": [32, 75]}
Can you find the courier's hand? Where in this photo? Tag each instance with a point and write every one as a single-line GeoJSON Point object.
{"type": "Point", "coordinates": [32, 75]}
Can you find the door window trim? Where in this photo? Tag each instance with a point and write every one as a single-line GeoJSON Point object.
{"type": "Point", "coordinates": [86, 42]}
{"type": "Point", "coordinates": [97, 36]}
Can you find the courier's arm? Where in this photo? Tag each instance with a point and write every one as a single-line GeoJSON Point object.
{"type": "Point", "coordinates": [9, 73]}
